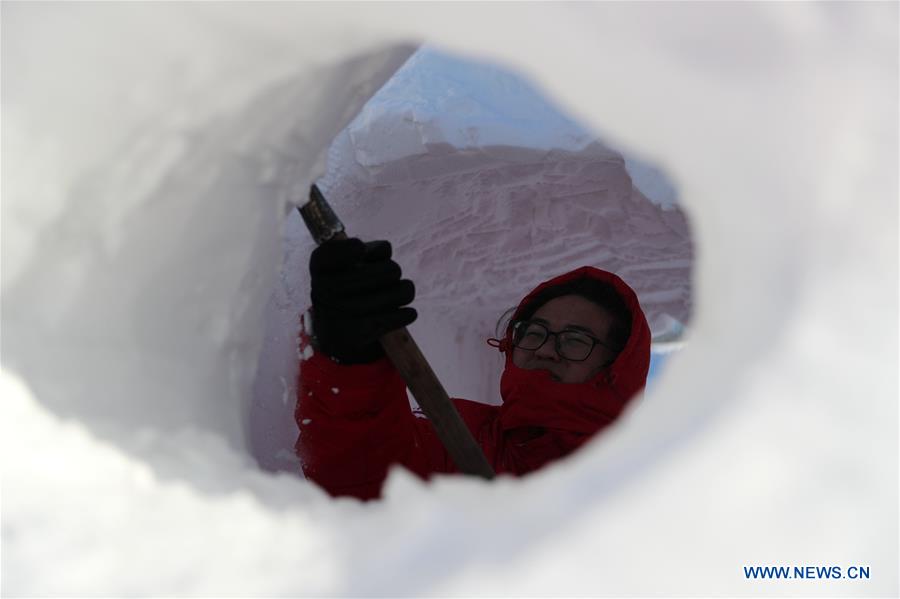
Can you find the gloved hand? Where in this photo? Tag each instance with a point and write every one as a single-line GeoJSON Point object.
{"type": "Point", "coordinates": [357, 296]}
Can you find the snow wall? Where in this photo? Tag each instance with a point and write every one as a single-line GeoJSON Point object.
{"type": "Point", "coordinates": [150, 154]}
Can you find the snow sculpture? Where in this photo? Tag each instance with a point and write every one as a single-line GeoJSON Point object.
{"type": "Point", "coordinates": [144, 183]}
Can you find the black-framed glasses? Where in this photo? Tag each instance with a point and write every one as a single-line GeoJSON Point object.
{"type": "Point", "coordinates": [574, 346]}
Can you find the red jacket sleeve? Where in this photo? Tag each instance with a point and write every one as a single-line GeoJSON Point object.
{"type": "Point", "coordinates": [354, 422]}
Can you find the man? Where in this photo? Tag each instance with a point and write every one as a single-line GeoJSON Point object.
{"type": "Point", "coordinates": [577, 351]}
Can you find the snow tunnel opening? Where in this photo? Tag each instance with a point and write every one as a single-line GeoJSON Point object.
{"type": "Point", "coordinates": [485, 189]}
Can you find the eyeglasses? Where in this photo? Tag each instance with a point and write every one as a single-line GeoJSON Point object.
{"type": "Point", "coordinates": [574, 346]}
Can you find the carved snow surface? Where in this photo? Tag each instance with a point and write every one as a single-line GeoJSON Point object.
{"type": "Point", "coordinates": [485, 188]}
{"type": "Point", "coordinates": [478, 228]}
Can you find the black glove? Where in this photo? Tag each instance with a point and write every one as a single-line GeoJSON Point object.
{"type": "Point", "coordinates": [357, 296]}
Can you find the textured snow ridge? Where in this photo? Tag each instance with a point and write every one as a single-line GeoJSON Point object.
{"type": "Point", "coordinates": [486, 189]}
{"type": "Point", "coordinates": [436, 100]}
{"type": "Point", "coordinates": [149, 154]}
{"type": "Point", "coordinates": [477, 229]}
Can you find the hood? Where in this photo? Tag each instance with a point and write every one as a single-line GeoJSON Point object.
{"type": "Point", "coordinates": [532, 398]}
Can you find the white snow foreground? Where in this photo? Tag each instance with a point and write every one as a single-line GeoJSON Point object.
{"type": "Point", "coordinates": [144, 187]}
{"type": "Point", "coordinates": [82, 518]}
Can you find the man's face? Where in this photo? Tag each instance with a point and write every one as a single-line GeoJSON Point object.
{"type": "Point", "coordinates": [569, 312]}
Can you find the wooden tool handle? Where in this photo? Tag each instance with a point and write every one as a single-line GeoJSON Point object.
{"type": "Point", "coordinates": [407, 358]}
{"type": "Point", "coordinates": [409, 361]}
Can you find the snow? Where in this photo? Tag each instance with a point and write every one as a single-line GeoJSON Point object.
{"type": "Point", "coordinates": [513, 114]}
{"type": "Point", "coordinates": [145, 199]}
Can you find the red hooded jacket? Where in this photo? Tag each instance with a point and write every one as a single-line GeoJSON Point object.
{"type": "Point", "coordinates": [355, 421]}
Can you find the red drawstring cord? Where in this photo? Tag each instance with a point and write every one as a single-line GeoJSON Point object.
{"type": "Point", "coordinates": [501, 344]}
